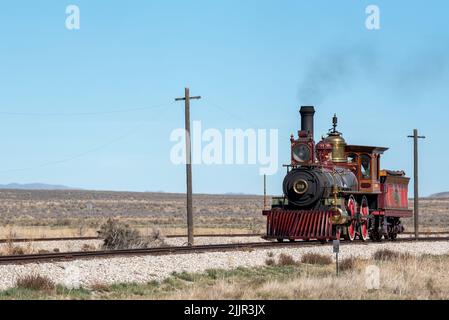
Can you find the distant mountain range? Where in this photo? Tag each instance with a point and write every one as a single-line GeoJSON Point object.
{"type": "Point", "coordinates": [440, 195]}
{"type": "Point", "coordinates": [34, 186]}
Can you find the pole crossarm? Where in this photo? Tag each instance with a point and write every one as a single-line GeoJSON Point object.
{"type": "Point", "coordinates": [183, 98]}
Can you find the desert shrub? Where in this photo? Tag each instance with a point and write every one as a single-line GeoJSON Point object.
{"type": "Point", "coordinates": [431, 287]}
{"type": "Point", "coordinates": [98, 286]}
{"type": "Point", "coordinates": [11, 249]}
{"type": "Point", "coordinates": [11, 235]}
{"type": "Point", "coordinates": [286, 260]}
{"type": "Point", "coordinates": [387, 254]}
{"type": "Point", "coordinates": [316, 258]}
{"type": "Point", "coordinates": [156, 237]}
{"type": "Point", "coordinates": [88, 247]}
{"type": "Point", "coordinates": [118, 235]}
{"type": "Point", "coordinates": [14, 250]}
{"type": "Point", "coordinates": [346, 264]}
{"type": "Point", "coordinates": [35, 282]}
{"type": "Point", "coordinates": [184, 276]}
{"type": "Point", "coordinates": [270, 262]}
{"type": "Point", "coordinates": [62, 222]}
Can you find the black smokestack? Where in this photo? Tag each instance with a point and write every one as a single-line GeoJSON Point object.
{"type": "Point", "coordinates": [307, 118]}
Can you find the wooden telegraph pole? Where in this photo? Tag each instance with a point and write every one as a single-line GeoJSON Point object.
{"type": "Point", "coordinates": [415, 179]}
{"type": "Point", "coordinates": [186, 99]}
{"type": "Point", "coordinates": [264, 191]}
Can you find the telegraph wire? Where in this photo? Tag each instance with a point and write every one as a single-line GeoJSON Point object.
{"type": "Point", "coordinates": [76, 156]}
{"type": "Point", "coordinates": [232, 114]}
{"type": "Point", "coordinates": [69, 114]}
{"type": "Point", "coordinates": [86, 152]}
{"type": "Point", "coordinates": [110, 142]}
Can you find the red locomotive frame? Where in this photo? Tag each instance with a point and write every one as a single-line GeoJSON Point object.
{"type": "Point", "coordinates": [333, 189]}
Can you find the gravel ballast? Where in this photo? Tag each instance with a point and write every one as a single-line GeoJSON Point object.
{"type": "Point", "coordinates": [140, 269]}
{"type": "Point", "coordinates": [56, 246]}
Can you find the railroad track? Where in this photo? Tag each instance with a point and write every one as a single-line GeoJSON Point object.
{"type": "Point", "coordinates": [223, 235]}
{"type": "Point", "coordinates": [427, 233]}
{"type": "Point", "coordinates": [98, 238]}
{"type": "Point", "coordinates": [65, 256]}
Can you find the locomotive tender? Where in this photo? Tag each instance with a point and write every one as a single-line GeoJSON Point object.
{"type": "Point", "coordinates": [333, 189]}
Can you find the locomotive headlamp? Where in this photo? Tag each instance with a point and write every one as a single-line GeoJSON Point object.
{"type": "Point", "coordinates": [301, 153]}
{"type": "Point", "coordinates": [300, 186]}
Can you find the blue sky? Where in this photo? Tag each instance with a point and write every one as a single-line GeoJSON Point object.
{"type": "Point", "coordinates": [257, 60]}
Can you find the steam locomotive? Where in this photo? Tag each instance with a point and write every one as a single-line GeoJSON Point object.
{"type": "Point", "coordinates": [334, 190]}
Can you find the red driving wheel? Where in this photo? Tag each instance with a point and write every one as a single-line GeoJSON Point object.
{"type": "Point", "coordinates": [364, 212]}
{"type": "Point", "coordinates": [351, 207]}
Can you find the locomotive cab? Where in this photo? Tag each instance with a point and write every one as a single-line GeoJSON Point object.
{"type": "Point", "coordinates": [365, 163]}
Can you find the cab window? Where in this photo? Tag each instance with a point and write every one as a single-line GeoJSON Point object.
{"type": "Point", "coordinates": [352, 158]}
{"type": "Point", "coordinates": [365, 166]}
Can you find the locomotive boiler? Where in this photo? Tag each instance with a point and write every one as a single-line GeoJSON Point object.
{"type": "Point", "coordinates": [306, 188]}
{"type": "Point", "coordinates": [333, 189]}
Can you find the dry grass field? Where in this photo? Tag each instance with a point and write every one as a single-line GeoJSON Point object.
{"type": "Point", "coordinates": [401, 277]}
{"type": "Point", "coordinates": [54, 213]}
{"type": "Point", "coordinates": [434, 214]}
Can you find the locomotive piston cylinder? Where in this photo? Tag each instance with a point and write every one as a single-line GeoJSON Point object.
{"type": "Point", "coordinates": [338, 216]}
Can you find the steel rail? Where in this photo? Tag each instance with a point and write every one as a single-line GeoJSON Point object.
{"type": "Point", "coordinates": [425, 232]}
{"type": "Point", "coordinates": [223, 235]}
{"type": "Point", "coordinates": [98, 238]}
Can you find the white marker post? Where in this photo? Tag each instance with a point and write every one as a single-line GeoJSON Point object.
{"type": "Point", "coordinates": [336, 246]}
